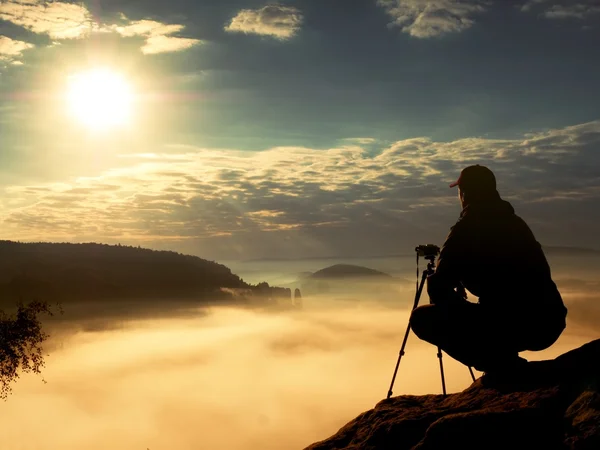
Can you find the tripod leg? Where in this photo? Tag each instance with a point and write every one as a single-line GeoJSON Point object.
{"type": "Point", "coordinates": [471, 371]}
{"type": "Point", "coordinates": [401, 354]}
{"type": "Point", "coordinates": [439, 354]}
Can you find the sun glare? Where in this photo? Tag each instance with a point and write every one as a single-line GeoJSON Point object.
{"type": "Point", "coordinates": [100, 99]}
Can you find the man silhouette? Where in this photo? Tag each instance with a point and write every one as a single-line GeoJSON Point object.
{"type": "Point", "coordinates": [492, 253]}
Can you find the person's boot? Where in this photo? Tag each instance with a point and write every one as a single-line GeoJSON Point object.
{"type": "Point", "coordinates": [504, 369]}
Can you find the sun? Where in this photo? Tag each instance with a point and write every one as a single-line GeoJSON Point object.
{"type": "Point", "coordinates": [100, 99]}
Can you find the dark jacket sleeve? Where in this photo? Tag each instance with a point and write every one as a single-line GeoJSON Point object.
{"type": "Point", "coordinates": [447, 277]}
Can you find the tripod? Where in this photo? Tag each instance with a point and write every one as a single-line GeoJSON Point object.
{"type": "Point", "coordinates": [428, 271]}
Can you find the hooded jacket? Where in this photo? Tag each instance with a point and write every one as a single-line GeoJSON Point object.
{"type": "Point", "coordinates": [493, 254]}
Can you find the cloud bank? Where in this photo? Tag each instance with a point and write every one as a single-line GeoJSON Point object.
{"type": "Point", "coordinates": [232, 196]}
{"type": "Point", "coordinates": [280, 22]}
{"type": "Point", "coordinates": [278, 380]}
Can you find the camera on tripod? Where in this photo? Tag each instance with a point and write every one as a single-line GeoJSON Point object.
{"type": "Point", "coordinates": [427, 251]}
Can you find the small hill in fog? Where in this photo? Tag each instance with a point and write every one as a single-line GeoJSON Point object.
{"type": "Point", "coordinates": [347, 271]}
{"type": "Point", "coordinates": [64, 272]}
{"type": "Point", "coordinates": [351, 282]}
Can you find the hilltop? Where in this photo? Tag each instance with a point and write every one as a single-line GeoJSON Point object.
{"type": "Point", "coordinates": [91, 271]}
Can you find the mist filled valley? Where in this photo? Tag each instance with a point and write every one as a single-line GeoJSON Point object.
{"type": "Point", "coordinates": [174, 374]}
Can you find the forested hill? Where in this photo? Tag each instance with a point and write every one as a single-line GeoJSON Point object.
{"type": "Point", "coordinates": [64, 271]}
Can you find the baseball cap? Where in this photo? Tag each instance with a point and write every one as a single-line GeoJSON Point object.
{"type": "Point", "coordinates": [476, 178]}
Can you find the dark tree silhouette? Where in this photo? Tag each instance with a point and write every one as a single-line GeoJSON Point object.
{"type": "Point", "coordinates": [21, 339]}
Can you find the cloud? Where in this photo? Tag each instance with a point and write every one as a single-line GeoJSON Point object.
{"type": "Point", "coordinates": [59, 20]}
{"type": "Point", "coordinates": [281, 22]}
{"type": "Point", "coordinates": [312, 200]}
{"type": "Point", "coordinates": [430, 18]}
{"type": "Point", "coordinates": [529, 4]}
{"type": "Point", "coordinates": [62, 20]}
{"type": "Point", "coordinates": [361, 140]}
{"type": "Point", "coordinates": [563, 9]}
{"type": "Point", "coordinates": [147, 28]}
{"type": "Point", "coordinates": [11, 50]}
{"type": "Point", "coordinates": [158, 36]}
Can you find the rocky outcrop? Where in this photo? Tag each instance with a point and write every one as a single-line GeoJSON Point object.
{"type": "Point", "coordinates": [552, 404]}
{"type": "Point", "coordinates": [297, 298]}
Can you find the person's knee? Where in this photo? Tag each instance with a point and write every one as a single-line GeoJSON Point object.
{"type": "Point", "coordinates": [539, 333]}
{"type": "Point", "coordinates": [421, 322]}
{"type": "Point", "coordinates": [544, 338]}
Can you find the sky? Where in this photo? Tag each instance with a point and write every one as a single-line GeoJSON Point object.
{"type": "Point", "coordinates": [245, 129]}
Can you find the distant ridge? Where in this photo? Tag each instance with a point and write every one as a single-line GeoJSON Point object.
{"type": "Point", "coordinates": [570, 250]}
{"type": "Point", "coordinates": [332, 257]}
{"type": "Point", "coordinates": [554, 249]}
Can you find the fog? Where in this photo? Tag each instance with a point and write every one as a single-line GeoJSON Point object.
{"type": "Point", "coordinates": [234, 378]}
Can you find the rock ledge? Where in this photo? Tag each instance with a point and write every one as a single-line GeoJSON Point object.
{"type": "Point", "coordinates": [552, 404]}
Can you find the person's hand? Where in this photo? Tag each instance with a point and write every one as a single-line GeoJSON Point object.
{"type": "Point", "coordinates": [439, 290]}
